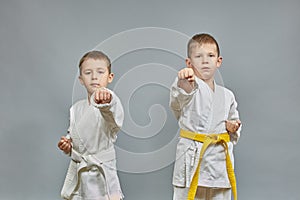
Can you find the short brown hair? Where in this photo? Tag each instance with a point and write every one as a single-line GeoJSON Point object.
{"type": "Point", "coordinates": [97, 55]}
{"type": "Point", "coordinates": [199, 39]}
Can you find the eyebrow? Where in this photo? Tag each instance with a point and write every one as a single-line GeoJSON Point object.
{"type": "Point", "coordinates": [210, 52]}
{"type": "Point", "coordinates": [98, 68]}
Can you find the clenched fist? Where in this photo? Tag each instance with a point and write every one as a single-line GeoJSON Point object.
{"type": "Point", "coordinates": [186, 79]}
{"type": "Point", "coordinates": [186, 74]}
{"type": "Point", "coordinates": [65, 144]}
{"type": "Point", "coordinates": [232, 125]}
{"type": "Point", "coordinates": [102, 96]}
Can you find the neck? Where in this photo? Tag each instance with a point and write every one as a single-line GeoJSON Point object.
{"type": "Point", "coordinates": [210, 83]}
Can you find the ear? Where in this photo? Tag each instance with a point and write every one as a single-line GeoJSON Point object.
{"type": "Point", "coordinates": [110, 77]}
{"type": "Point", "coordinates": [188, 63]}
{"type": "Point", "coordinates": [219, 61]}
{"type": "Point", "coordinates": [80, 80]}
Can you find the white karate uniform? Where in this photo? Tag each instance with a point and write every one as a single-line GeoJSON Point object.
{"type": "Point", "coordinates": [92, 171]}
{"type": "Point", "coordinates": [203, 193]}
{"type": "Point", "coordinates": [202, 111]}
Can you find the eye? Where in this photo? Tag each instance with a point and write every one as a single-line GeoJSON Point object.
{"type": "Point", "coordinates": [87, 72]}
{"type": "Point", "coordinates": [211, 55]}
{"type": "Point", "coordinates": [101, 72]}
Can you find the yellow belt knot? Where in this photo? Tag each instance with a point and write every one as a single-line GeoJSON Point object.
{"type": "Point", "coordinates": [214, 137]}
{"type": "Point", "coordinates": [208, 139]}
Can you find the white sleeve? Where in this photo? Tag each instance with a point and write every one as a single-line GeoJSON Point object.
{"type": "Point", "coordinates": [112, 112]}
{"type": "Point", "coordinates": [71, 120]}
{"type": "Point", "coordinates": [234, 115]}
{"type": "Point", "coordinates": [179, 98]}
{"type": "Point", "coordinates": [71, 126]}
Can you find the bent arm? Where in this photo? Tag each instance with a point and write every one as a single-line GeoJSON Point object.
{"type": "Point", "coordinates": [234, 115]}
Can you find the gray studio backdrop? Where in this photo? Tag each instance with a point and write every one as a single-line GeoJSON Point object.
{"type": "Point", "coordinates": [42, 42]}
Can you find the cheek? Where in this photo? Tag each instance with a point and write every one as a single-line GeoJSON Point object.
{"type": "Point", "coordinates": [103, 80]}
{"type": "Point", "coordinates": [81, 81]}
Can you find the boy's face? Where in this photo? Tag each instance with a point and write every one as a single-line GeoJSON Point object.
{"type": "Point", "coordinates": [204, 60]}
{"type": "Point", "coordinates": [94, 74]}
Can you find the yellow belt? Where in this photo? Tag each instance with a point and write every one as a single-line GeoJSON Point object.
{"type": "Point", "coordinates": [208, 139]}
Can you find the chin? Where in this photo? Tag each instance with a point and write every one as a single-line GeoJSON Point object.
{"type": "Point", "coordinates": [206, 75]}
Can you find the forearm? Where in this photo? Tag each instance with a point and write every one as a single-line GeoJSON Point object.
{"type": "Point", "coordinates": [186, 85]}
{"type": "Point", "coordinates": [112, 112]}
{"type": "Point", "coordinates": [234, 116]}
{"type": "Point", "coordinates": [179, 98]}
{"type": "Point", "coordinates": [235, 136]}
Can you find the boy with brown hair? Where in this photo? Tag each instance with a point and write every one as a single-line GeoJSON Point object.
{"type": "Point", "coordinates": [209, 121]}
{"type": "Point", "coordinates": [94, 123]}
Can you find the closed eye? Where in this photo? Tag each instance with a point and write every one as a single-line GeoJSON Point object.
{"type": "Point", "coordinates": [87, 72]}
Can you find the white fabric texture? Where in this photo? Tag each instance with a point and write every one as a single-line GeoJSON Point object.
{"type": "Point", "coordinates": [92, 172]}
{"type": "Point", "coordinates": [203, 111]}
{"type": "Point", "coordinates": [203, 193]}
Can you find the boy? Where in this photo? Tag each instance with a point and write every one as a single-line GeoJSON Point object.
{"type": "Point", "coordinates": [94, 123]}
{"type": "Point", "coordinates": [209, 121]}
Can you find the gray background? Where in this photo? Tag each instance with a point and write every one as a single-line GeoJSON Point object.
{"type": "Point", "coordinates": [42, 41]}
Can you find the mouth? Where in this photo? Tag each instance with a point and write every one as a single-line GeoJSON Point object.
{"type": "Point", "coordinates": [205, 68]}
{"type": "Point", "coordinates": [95, 85]}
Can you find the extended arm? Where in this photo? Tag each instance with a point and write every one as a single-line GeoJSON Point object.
{"type": "Point", "coordinates": [182, 91]}
{"type": "Point", "coordinates": [110, 107]}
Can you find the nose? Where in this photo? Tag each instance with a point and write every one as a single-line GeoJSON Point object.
{"type": "Point", "coordinates": [94, 76]}
{"type": "Point", "coordinates": [205, 60]}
